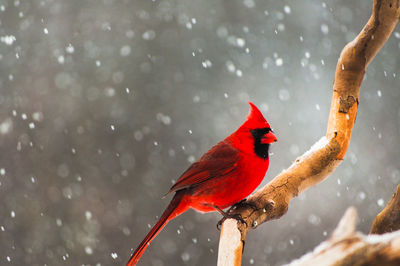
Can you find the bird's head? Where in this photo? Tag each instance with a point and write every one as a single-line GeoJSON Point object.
{"type": "Point", "coordinates": [255, 134]}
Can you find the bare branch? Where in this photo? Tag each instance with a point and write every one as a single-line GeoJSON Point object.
{"type": "Point", "coordinates": [224, 259]}
{"type": "Point", "coordinates": [272, 201]}
{"type": "Point", "coordinates": [388, 220]}
{"type": "Point", "coordinates": [346, 226]}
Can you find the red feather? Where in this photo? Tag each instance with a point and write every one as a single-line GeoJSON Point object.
{"type": "Point", "coordinates": [226, 174]}
{"type": "Point", "coordinates": [217, 162]}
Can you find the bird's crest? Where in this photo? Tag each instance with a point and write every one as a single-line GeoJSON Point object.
{"type": "Point", "coordinates": [255, 119]}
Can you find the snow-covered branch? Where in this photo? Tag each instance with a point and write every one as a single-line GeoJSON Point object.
{"type": "Point", "coordinates": [272, 201]}
{"type": "Point", "coordinates": [347, 247]}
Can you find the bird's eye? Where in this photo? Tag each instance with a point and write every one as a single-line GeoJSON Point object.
{"type": "Point", "coordinates": [260, 132]}
{"type": "Point", "coordinates": [267, 130]}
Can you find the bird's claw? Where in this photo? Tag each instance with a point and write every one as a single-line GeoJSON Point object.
{"type": "Point", "coordinates": [243, 203]}
{"type": "Point", "coordinates": [219, 224]}
{"type": "Point", "coordinates": [236, 216]}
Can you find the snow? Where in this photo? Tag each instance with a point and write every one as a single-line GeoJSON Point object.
{"type": "Point", "coordinates": [240, 42]}
{"type": "Point", "coordinates": [249, 3]}
{"type": "Point", "coordinates": [380, 202]}
{"type": "Point", "coordinates": [70, 49]}
{"type": "Point", "coordinates": [314, 219]}
{"type": "Point", "coordinates": [375, 239]}
{"type": "Point", "coordinates": [322, 142]}
{"type": "Point", "coordinates": [8, 39]}
{"type": "Point", "coordinates": [284, 95]}
{"type": "Point", "coordinates": [102, 107]}
{"type": "Point", "coordinates": [125, 50]}
{"type": "Point", "coordinates": [207, 64]}
{"type": "Point", "coordinates": [324, 29]}
{"type": "Point", "coordinates": [59, 222]}
{"type": "Point", "coordinates": [6, 126]}
{"type": "Point", "coordinates": [287, 9]}
{"type": "Point", "coordinates": [362, 195]}
{"type": "Point", "coordinates": [88, 250]}
{"type": "Point", "coordinates": [149, 35]}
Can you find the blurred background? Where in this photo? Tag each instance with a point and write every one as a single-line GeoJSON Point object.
{"type": "Point", "coordinates": [103, 104]}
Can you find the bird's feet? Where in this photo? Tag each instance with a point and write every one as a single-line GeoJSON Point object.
{"type": "Point", "coordinates": [230, 213]}
{"type": "Point", "coordinates": [243, 203]}
{"type": "Point", "coordinates": [235, 216]}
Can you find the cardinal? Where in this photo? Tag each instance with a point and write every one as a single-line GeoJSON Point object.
{"type": "Point", "coordinates": [223, 176]}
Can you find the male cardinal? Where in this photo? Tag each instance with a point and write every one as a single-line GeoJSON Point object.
{"type": "Point", "coordinates": [223, 176]}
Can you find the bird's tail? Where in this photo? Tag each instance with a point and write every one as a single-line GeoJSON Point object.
{"type": "Point", "coordinates": [175, 208]}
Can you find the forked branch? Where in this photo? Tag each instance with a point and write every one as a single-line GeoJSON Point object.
{"type": "Point", "coordinates": [348, 247]}
{"type": "Point", "coordinates": [272, 201]}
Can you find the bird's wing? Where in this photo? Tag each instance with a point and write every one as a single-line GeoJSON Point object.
{"type": "Point", "coordinates": [218, 161]}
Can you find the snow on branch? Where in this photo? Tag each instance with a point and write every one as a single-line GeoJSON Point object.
{"type": "Point", "coordinates": [347, 247]}
{"type": "Point", "coordinates": [272, 201]}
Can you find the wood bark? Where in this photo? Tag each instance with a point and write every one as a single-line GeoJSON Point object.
{"type": "Point", "coordinates": [272, 201]}
{"type": "Point", "coordinates": [346, 247]}
{"type": "Point", "coordinates": [388, 220]}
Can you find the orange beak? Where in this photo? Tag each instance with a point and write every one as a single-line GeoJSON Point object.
{"type": "Point", "coordinates": [269, 138]}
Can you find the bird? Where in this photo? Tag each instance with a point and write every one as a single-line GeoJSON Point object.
{"type": "Point", "coordinates": [225, 175]}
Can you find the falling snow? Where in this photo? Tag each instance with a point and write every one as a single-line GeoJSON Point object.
{"type": "Point", "coordinates": [88, 250]}
{"type": "Point", "coordinates": [103, 109]}
{"type": "Point", "coordinates": [380, 202]}
{"type": "Point", "coordinates": [8, 39]}
{"type": "Point", "coordinates": [149, 35]}
{"type": "Point", "coordinates": [207, 64]}
{"type": "Point", "coordinates": [279, 61]}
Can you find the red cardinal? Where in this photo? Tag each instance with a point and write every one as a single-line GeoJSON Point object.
{"type": "Point", "coordinates": [225, 175]}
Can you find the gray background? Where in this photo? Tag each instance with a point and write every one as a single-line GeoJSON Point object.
{"type": "Point", "coordinates": [84, 163]}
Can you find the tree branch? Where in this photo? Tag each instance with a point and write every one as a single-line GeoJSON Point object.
{"type": "Point", "coordinates": [272, 201]}
{"type": "Point", "coordinates": [347, 247]}
{"type": "Point", "coordinates": [388, 220]}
